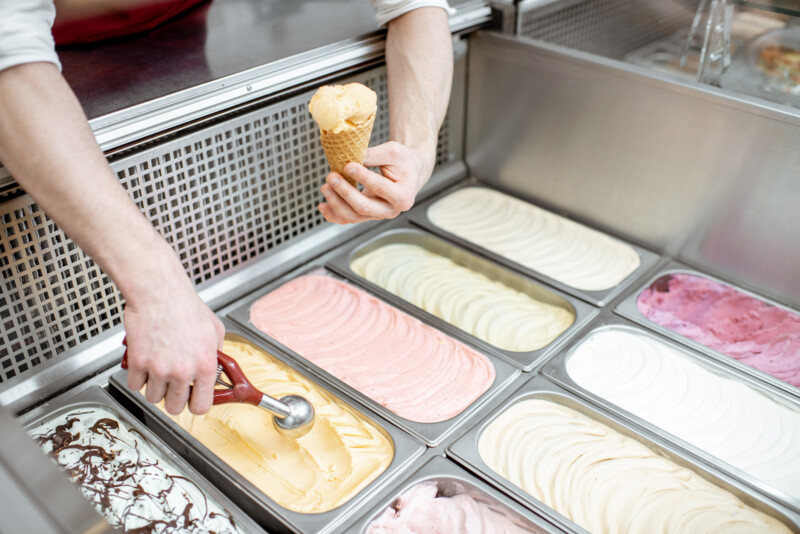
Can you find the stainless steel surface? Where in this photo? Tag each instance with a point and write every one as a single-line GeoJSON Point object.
{"type": "Point", "coordinates": [223, 196]}
{"type": "Point", "coordinates": [452, 480]}
{"type": "Point", "coordinates": [694, 172]}
{"type": "Point", "coordinates": [208, 44]}
{"type": "Point", "coordinates": [627, 308]}
{"type": "Point", "coordinates": [432, 434]}
{"type": "Point", "coordinates": [555, 370]}
{"type": "Point", "coordinates": [296, 414]}
{"type": "Point", "coordinates": [401, 232]}
{"type": "Point", "coordinates": [223, 55]}
{"type": "Point", "coordinates": [465, 452]}
{"type": "Point", "coordinates": [648, 259]}
{"type": "Point", "coordinates": [95, 397]}
{"type": "Point", "coordinates": [505, 15]}
{"type": "Point", "coordinates": [293, 415]}
{"type": "Point", "coordinates": [274, 406]}
{"type": "Point", "coordinates": [611, 28]}
{"type": "Point", "coordinates": [35, 496]}
{"type": "Point", "coordinates": [256, 503]}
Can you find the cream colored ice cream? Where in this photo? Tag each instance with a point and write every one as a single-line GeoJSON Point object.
{"type": "Point", "coordinates": [327, 467]}
{"type": "Point", "coordinates": [491, 311]}
{"type": "Point", "coordinates": [719, 415]}
{"type": "Point", "coordinates": [340, 107]}
{"type": "Point", "coordinates": [604, 481]}
{"type": "Point", "coordinates": [534, 238]}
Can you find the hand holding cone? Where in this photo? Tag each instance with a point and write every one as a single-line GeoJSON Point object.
{"type": "Point", "coordinates": [345, 115]}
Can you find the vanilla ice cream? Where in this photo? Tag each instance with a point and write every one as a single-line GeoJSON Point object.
{"type": "Point", "coordinates": [491, 311]}
{"type": "Point", "coordinates": [719, 415]}
{"type": "Point", "coordinates": [605, 481]}
{"type": "Point", "coordinates": [324, 469]}
{"type": "Point", "coordinates": [564, 250]}
{"type": "Point", "coordinates": [339, 107]}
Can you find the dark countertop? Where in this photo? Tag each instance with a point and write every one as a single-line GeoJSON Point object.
{"type": "Point", "coordinates": [209, 42]}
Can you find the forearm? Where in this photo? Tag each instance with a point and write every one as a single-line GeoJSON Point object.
{"type": "Point", "coordinates": [419, 57]}
{"type": "Point", "coordinates": [47, 145]}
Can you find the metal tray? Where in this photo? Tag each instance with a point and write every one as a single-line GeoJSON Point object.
{"type": "Point", "coordinates": [97, 397]}
{"type": "Point", "coordinates": [556, 370]}
{"type": "Point", "coordinates": [453, 480]}
{"type": "Point", "coordinates": [262, 508]}
{"type": "Point", "coordinates": [465, 451]}
{"type": "Point", "coordinates": [432, 434]}
{"type": "Point", "coordinates": [398, 232]}
{"type": "Point", "coordinates": [745, 76]}
{"type": "Point", "coordinates": [627, 308]}
{"type": "Point", "coordinates": [419, 216]}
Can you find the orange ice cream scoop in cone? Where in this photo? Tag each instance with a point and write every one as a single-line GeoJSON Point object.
{"type": "Point", "coordinates": [345, 115]}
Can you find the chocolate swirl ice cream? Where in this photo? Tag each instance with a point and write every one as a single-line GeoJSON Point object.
{"type": "Point", "coordinates": [131, 484]}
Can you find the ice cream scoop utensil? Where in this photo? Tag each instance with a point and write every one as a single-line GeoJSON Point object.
{"type": "Point", "coordinates": [293, 414]}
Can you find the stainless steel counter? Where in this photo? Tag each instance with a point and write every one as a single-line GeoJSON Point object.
{"type": "Point", "coordinates": [221, 55]}
{"type": "Point", "coordinates": [205, 45]}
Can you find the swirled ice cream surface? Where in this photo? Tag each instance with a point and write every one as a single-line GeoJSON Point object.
{"type": "Point", "coordinates": [718, 316]}
{"type": "Point", "coordinates": [717, 414]}
{"type": "Point", "coordinates": [410, 368]}
{"type": "Point", "coordinates": [604, 481]}
{"type": "Point", "coordinates": [135, 487]}
{"type": "Point", "coordinates": [534, 238]}
{"type": "Point", "coordinates": [318, 472]}
{"type": "Point", "coordinates": [420, 510]}
{"type": "Point", "coordinates": [489, 310]}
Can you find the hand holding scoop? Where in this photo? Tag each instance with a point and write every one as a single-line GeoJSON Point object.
{"type": "Point", "coordinates": [293, 416]}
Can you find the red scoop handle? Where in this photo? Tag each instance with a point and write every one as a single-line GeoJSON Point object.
{"type": "Point", "coordinates": [242, 391]}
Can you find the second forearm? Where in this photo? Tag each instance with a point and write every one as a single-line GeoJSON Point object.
{"type": "Point", "coordinates": [47, 145]}
{"type": "Point", "coordinates": [419, 56]}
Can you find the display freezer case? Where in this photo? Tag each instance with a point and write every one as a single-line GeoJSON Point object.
{"type": "Point", "coordinates": [227, 166]}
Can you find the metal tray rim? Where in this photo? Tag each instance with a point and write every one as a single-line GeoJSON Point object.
{"type": "Point", "coordinates": [97, 396]}
{"type": "Point", "coordinates": [627, 308]}
{"type": "Point", "coordinates": [432, 434]}
{"type": "Point", "coordinates": [647, 259]}
{"type": "Point", "coordinates": [406, 451]}
{"type": "Point", "coordinates": [464, 451]}
{"type": "Point", "coordinates": [527, 361]}
{"type": "Point", "coordinates": [436, 468]}
{"type": "Point", "coordinates": [555, 370]}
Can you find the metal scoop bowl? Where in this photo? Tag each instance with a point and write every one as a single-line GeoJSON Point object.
{"type": "Point", "coordinates": [293, 415]}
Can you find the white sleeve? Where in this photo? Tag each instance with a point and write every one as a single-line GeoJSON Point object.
{"type": "Point", "coordinates": [26, 32]}
{"type": "Point", "coordinates": [387, 10]}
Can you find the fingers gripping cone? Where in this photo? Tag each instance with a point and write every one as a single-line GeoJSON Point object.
{"type": "Point", "coordinates": [348, 145]}
{"type": "Point", "coordinates": [345, 115]}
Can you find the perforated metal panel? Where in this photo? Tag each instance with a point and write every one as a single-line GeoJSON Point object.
{"type": "Point", "coordinates": [221, 196]}
{"type": "Point", "coordinates": [52, 296]}
{"type": "Point", "coordinates": [610, 28]}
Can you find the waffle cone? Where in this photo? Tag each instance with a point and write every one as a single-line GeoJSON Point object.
{"type": "Point", "coordinates": [348, 145]}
